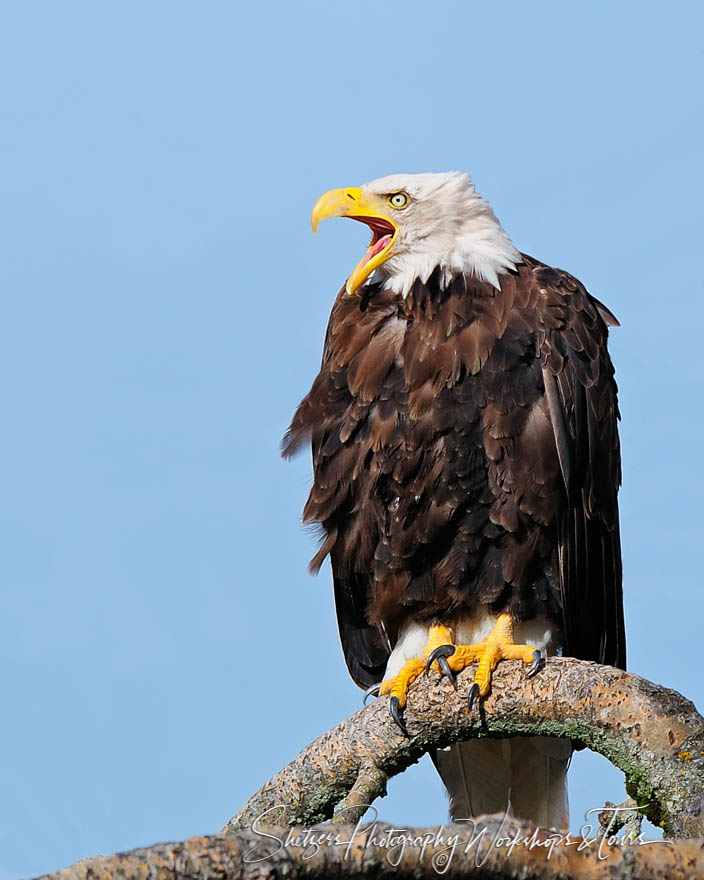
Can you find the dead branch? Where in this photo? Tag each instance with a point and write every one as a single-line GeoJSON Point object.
{"type": "Point", "coordinates": [494, 848]}
{"type": "Point", "coordinates": [653, 734]}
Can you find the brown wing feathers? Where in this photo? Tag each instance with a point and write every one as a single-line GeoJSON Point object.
{"type": "Point", "coordinates": [582, 396]}
{"type": "Point", "coordinates": [465, 452]}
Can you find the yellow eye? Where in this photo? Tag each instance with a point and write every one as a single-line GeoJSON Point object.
{"type": "Point", "coordinates": [398, 200]}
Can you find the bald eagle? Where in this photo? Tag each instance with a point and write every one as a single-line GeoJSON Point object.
{"type": "Point", "coordinates": [466, 467]}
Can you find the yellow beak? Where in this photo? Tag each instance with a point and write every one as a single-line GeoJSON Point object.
{"type": "Point", "coordinates": [352, 202]}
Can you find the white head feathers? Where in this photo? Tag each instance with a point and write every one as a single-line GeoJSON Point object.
{"type": "Point", "coordinates": [447, 224]}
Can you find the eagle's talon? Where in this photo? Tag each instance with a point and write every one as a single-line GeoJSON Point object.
{"type": "Point", "coordinates": [372, 691]}
{"type": "Point", "coordinates": [442, 652]}
{"type": "Point", "coordinates": [472, 696]}
{"type": "Point", "coordinates": [444, 666]}
{"type": "Point", "coordinates": [536, 665]}
{"type": "Point", "coordinates": [394, 711]}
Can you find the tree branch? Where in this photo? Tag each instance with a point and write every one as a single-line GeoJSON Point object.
{"type": "Point", "coordinates": [493, 849]}
{"type": "Point", "coordinates": [653, 734]}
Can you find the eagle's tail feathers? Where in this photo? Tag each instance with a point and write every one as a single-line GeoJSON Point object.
{"type": "Point", "coordinates": [525, 777]}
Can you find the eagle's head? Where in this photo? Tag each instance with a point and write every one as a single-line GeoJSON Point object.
{"type": "Point", "coordinates": [420, 222]}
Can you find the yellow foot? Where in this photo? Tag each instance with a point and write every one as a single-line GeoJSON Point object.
{"type": "Point", "coordinates": [397, 687]}
{"type": "Point", "coordinates": [497, 646]}
{"type": "Point", "coordinates": [440, 650]}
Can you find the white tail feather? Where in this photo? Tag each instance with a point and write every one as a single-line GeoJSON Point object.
{"type": "Point", "coordinates": [525, 777]}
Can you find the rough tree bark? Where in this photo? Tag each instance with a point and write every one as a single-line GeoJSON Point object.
{"type": "Point", "coordinates": [651, 733]}
{"type": "Point", "coordinates": [243, 856]}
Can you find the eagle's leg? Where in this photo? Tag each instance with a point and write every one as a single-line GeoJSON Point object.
{"type": "Point", "coordinates": [497, 646]}
{"type": "Point", "coordinates": [397, 687]}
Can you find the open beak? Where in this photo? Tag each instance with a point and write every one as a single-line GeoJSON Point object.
{"type": "Point", "coordinates": [353, 203]}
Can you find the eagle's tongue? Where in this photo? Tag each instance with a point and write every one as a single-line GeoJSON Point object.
{"type": "Point", "coordinates": [376, 248]}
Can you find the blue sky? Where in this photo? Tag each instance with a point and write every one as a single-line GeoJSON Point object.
{"type": "Point", "coordinates": [163, 650]}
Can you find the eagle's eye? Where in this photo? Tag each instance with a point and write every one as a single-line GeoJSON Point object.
{"type": "Point", "coordinates": [398, 200]}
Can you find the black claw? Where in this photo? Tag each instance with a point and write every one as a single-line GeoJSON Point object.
{"type": "Point", "coordinates": [536, 665]}
{"type": "Point", "coordinates": [472, 696]}
{"type": "Point", "coordinates": [445, 666]}
{"type": "Point", "coordinates": [442, 652]}
{"type": "Point", "coordinates": [373, 691]}
{"type": "Point", "coordinates": [393, 709]}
